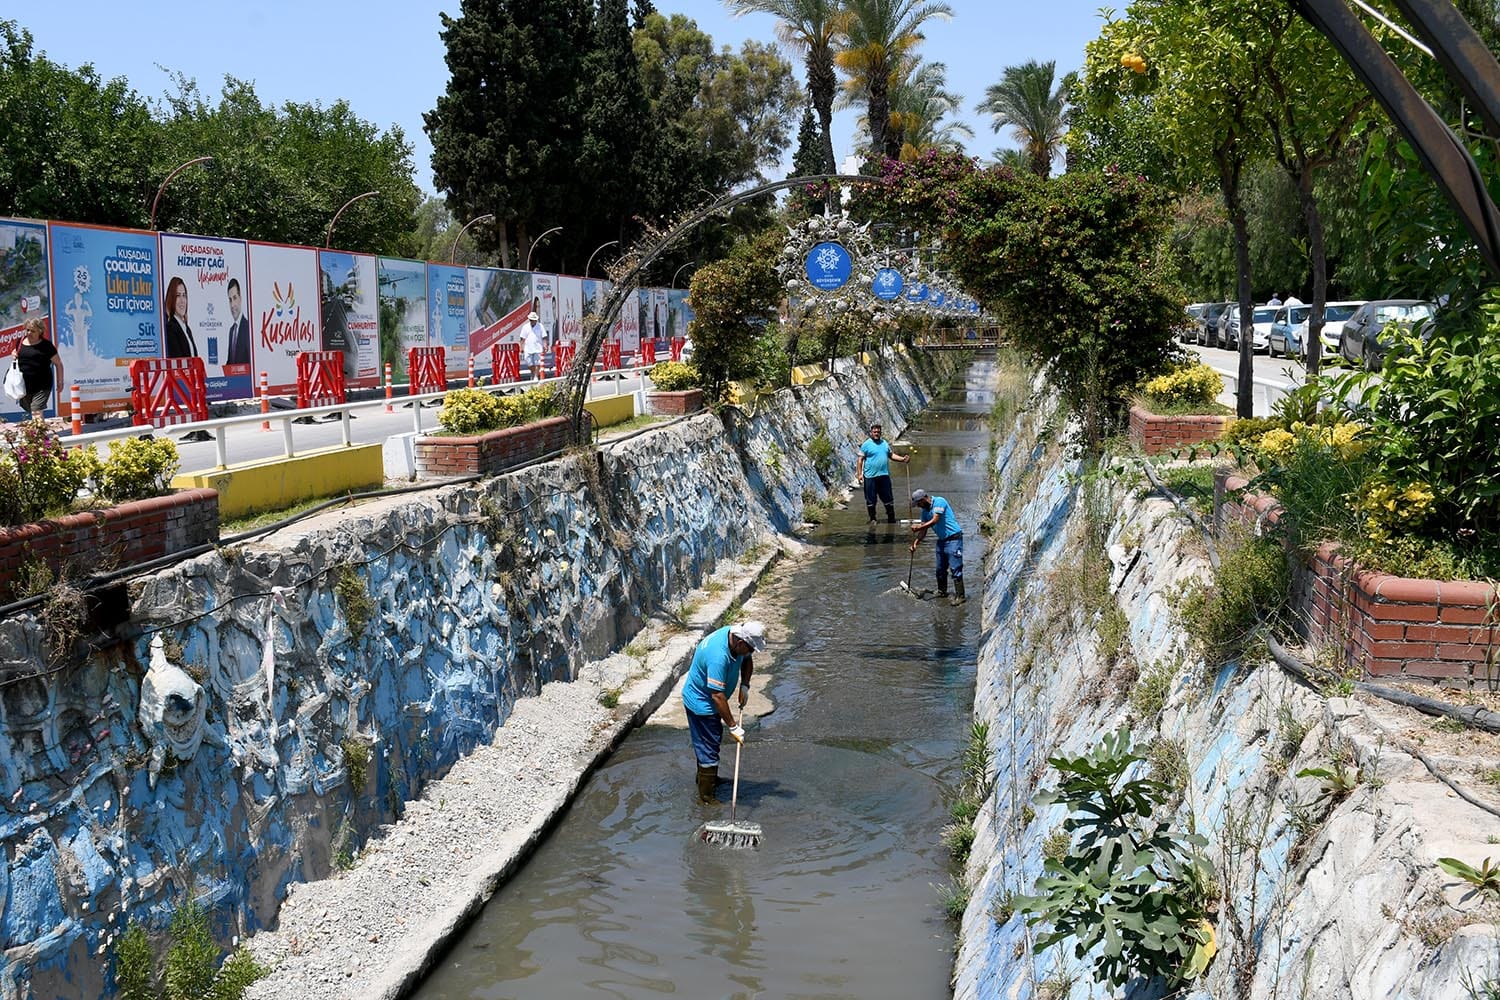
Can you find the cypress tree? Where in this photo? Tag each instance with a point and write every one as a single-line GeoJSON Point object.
{"type": "Point", "coordinates": [615, 121]}
{"type": "Point", "coordinates": [807, 161]}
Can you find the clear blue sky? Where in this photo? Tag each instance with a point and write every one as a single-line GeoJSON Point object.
{"type": "Point", "coordinates": [385, 57]}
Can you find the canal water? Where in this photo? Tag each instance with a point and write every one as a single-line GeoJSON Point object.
{"type": "Point", "coordinates": [849, 776]}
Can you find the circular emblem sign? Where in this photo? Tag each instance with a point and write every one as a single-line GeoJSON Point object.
{"type": "Point", "coordinates": [888, 283]}
{"type": "Point", "coordinates": [917, 292]}
{"type": "Point", "coordinates": [829, 266]}
{"type": "Point", "coordinates": [938, 298]}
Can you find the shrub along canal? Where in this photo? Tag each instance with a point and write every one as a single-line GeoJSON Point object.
{"type": "Point", "coordinates": [850, 776]}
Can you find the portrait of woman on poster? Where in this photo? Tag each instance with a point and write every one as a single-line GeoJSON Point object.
{"type": "Point", "coordinates": [180, 343]}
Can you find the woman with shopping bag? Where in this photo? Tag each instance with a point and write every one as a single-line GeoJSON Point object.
{"type": "Point", "coordinates": [36, 358]}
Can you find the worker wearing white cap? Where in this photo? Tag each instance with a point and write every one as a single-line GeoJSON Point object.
{"type": "Point", "coordinates": [533, 342]}
{"type": "Point", "coordinates": [722, 662]}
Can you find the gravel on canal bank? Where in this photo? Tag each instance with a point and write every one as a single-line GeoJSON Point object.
{"type": "Point", "coordinates": [372, 931]}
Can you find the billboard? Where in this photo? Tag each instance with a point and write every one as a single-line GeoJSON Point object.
{"type": "Point", "coordinates": [643, 313]}
{"type": "Point", "coordinates": [24, 292]}
{"type": "Point", "coordinates": [350, 311]}
{"type": "Point", "coordinates": [448, 314]}
{"type": "Point", "coordinates": [679, 313]}
{"type": "Point", "coordinates": [569, 309]}
{"type": "Point", "coordinates": [627, 325]}
{"type": "Point", "coordinates": [108, 313]}
{"type": "Point", "coordinates": [544, 302]}
{"type": "Point", "coordinates": [498, 302]}
{"type": "Point", "coordinates": [284, 310]}
{"type": "Point", "coordinates": [403, 310]}
{"type": "Point", "coordinates": [659, 328]}
{"type": "Point", "coordinates": [206, 312]}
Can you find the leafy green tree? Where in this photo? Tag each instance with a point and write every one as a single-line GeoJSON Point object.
{"type": "Point", "coordinates": [1026, 101]}
{"type": "Point", "coordinates": [615, 121]}
{"type": "Point", "coordinates": [733, 299]}
{"type": "Point", "coordinates": [280, 173]}
{"type": "Point", "coordinates": [75, 146]}
{"type": "Point", "coordinates": [505, 133]}
{"type": "Point", "coordinates": [808, 26]}
{"type": "Point", "coordinates": [872, 37]}
{"type": "Point", "coordinates": [920, 105]}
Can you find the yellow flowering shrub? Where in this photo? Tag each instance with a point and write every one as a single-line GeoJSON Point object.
{"type": "Point", "coordinates": [1389, 509]}
{"type": "Point", "coordinates": [1188, 385]}
{"type": "Point", "coordinates": [1342, 439]}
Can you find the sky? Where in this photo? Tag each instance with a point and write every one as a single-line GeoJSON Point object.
{"type": "Point", "coordinates": [386, 60]}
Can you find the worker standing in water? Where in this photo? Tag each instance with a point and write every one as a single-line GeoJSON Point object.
{"type": "Point", "coordinates": [949, 535]}
{"type": "Point", "coordinates": [874, 473]}
{"type": "Point", "coordinates": [723, 662]}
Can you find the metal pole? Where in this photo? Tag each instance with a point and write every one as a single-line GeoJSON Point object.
{"type": "Point", "coordinates": [453, 250]}
{"type": "Point", "coordinates": [175, 171]}
{"type": "Point", "coordinates": [673, 282]}
{"type": "Point", "coordinates": [532, 249]}
{"type": "Point", "coordinates": [595, 253]}
{"type": "Point", "coordinates": [328, 237]}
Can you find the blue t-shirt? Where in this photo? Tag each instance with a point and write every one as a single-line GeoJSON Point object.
{"type": "Point", "coordinates": [715, 670]}
{"type": "Point", "coordinates": [947, 524]}
{"type": "Point", "coordinates": [877, 458]}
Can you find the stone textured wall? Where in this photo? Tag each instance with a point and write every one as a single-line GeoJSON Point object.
{"type": "Point", "coordinates": [118, 536]}
{"type": "Point", "coordinates": [495, 452]}
{"type": "Point", "coordinates": [1320, 899]}
{"type": "Point", "coordinates": [267, 706]}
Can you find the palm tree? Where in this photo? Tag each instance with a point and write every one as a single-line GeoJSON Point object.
{"type": "Point", "coordinates": [1026, 100]}
{"type": "Point", "coordinates": [874, 36]}
{"type": "Point", "coordinates": [807, 27]}
{"type": "Point", "coordinates": [1012, 158]}
{"type": "Point", "coordinates": [919, 101]}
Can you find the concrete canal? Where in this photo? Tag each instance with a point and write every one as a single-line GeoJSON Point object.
{"type": "Point", "coordinates": [851, 757]}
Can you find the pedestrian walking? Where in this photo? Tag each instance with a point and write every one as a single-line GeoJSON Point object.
{"type": "Point", "coordinates": [949, 535]}
{"type": "Point", "coordinates": [873, 470]}
{"type": "Point", "coordinates": [723, 662]}
{"type": "Point", "coordinates": [532, 344]}
{"type": "Point", "coordinates": [38, 360]}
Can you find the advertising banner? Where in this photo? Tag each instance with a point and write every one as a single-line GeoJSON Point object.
{"type": "Point", "coordinates": [644, 313]}
{"type": "Point", "coordinates": [498, 302]}
{"type": "Point", "coordinates": [569, 309]}
{"type": "Point", "coordinates": [284, 311]}
{"type": "Point", "coordinates": [24, 292]}
{"type": "Point", "coordinates": [595, 292]}
{"type": "Point", "coordinates": [108, 310]}
{"type": "Point", "coordinates": [206, 311]}
{"type": "Point", "coordinates": [680, 314]}
{"type": "Point", "coordinates": [351, 314]}
{"type": "Point", "coordinates": [659, 317]}
{"type": "Point", "coordinates": [627, 327]}
{"type": "Point", "coordinates": [403, 311]}
{"type": "Point", "coordinates": [544, 303]}
{"type": "Point", "coordinates": [448, 312]}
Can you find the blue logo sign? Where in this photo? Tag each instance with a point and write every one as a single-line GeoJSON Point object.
{"type": "Point", "coordinates": [917, 292]}
{"type": "Point", "coordinates": [938, 298]}
{"type": "Point", "coordinates": [829, 266]}
{"type": "Point", "coordinates": [888, 283]}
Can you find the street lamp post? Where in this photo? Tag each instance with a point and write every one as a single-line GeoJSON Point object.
{"type": "Point", "coordinates": [673, 283]}
{"type": "Point", "coordinates": [532, 248]}
{"type": "Point", "coordinates": [595, 254]}
{"type": "Point", "coordinates": [453, 250]}
{"type": "Point", "coordinates": [175, 171]}
{"type": "Point", "coordinates": [328, 237]}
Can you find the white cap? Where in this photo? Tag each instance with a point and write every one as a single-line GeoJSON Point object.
{"type": "Point", "coordinates": [752, 632]}
{"type": "Point", "coordinates": [533, 317]}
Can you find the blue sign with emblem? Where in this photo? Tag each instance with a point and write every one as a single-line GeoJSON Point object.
{"type": "Point", "coordinates": [917, 292]}
{"type": "Point", "coordinates": [938, 298]}
{"type": "Point", "coordinates": [829, 266]}
{"type": "Point", "coordinates": [888, 283]}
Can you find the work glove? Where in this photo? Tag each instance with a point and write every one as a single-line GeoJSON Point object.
{"type": "Point", "coordinates": [738, 732]}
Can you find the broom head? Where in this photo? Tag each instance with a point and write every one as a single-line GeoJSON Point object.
{"type": "Point", "coordinates": [731, 834]}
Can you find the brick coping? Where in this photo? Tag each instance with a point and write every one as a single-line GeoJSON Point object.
{"type": "Point", "coordinates": [471, 440]}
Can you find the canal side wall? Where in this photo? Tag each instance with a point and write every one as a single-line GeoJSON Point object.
{"type": "Point", "coordinates": [1320, 899]}
{"type": "Point", "coordinates": [266, 708]}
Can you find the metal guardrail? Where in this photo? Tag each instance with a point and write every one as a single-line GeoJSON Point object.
{"type": "Point", "coordinates": [1270, 392]}
{"type": "Point", "coordinates": [219, 426]}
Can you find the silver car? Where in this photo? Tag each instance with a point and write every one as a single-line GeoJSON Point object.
{"type": "Point", "coordinates": [1290, 327]}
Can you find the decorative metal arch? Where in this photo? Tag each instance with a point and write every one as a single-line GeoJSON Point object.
{"type": "Point", "coordinates": [638, 260]}
{"type": "Point", "coordinates": [1466, 60]}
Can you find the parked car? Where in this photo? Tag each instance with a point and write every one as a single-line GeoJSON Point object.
{"type": "Point", "coordinates": [1221, 328]}
{"type": "Point", "coordinates": [1189, 331]}
{"type": "Point", "coordinates": [1260, 333]}
{"type": "Point", "coordinates": [1361, 340]}
{"type": "Point", "coordinates": [1208, 328]}
{"type": "Point", "coordinates": [1290, 327]}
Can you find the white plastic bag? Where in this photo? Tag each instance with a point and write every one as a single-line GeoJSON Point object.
{"type": "Point", "coordinates": [15, 383]}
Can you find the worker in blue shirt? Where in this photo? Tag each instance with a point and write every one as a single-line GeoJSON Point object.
{"type": "Point", "coordinates": [950, 540]}
{"type": "Point", "coordinates": [874, 473]}
{"type": "Point", "coordinates": [723, 662]}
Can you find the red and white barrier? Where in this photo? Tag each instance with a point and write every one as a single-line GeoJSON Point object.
{"type": "Point", "coordinates": [320, 379]}
{"type": "Point", "coordinates": [677, 345]}
{"type": "Point", "coordinates": [165, 391]}
{"type": "Point", "coordinates": [427, 369]}
{"type": "Point", "coordinates": [388, 407]}
{"type": "Point", "coordinates": [648, 352]}
{"type": "Point", "coordinates": [75, 409]}
{"type": "Point", "coordinates": [612, 357]}
{"type": "Point", "coordinates": [562, 358]}
{"type": "Point", "coordinates": [505, 363]}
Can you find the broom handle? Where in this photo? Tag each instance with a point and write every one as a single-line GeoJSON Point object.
{"type": "Point", "coordinates": [734, 793]}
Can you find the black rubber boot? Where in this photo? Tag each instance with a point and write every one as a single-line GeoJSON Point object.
{"type": "Point", "coordinates": [958, 590]}
{"type": "Point", "coordinates": [871, 508]}
{"type": "Point", "coordinates": [708, 779]}
{"type": "Point", "coordinates": [942, 583]}
{"type": "Point", "coordinates": [890, 513]}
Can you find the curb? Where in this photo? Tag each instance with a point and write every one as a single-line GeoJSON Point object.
{"type": "Point", "coordinates": [411, 964]}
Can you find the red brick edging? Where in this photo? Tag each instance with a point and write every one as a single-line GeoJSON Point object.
{"type": "Point", "coordinates": [1153, 433]}
{"type": "Point", "coordinates": [121, 536]}
{"type": "Point", "coordinates": [497, 451]}
{"type": "Point", "coordinates": [1391, 627]}
{"type": "Point", "coordinates": [674, 404]}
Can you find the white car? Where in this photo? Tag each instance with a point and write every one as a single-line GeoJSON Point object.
{"type": "Point", "coordinates": [1290, 327]}
{"type": "Point", "coordinates": [1260, 335]}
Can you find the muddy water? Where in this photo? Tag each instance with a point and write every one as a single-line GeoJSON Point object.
{"type": "Point", "coordinates": [848, 776]}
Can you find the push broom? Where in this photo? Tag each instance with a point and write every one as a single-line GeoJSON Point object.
{"type": "Point", "coordinates": [732, 834]}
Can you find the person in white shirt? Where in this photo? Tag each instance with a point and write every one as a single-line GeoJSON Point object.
{"type": "Point", "coordinates": [1274, 300]}
{"type": "Point", "coordinates": [1292, 300]}
{"type": "Point", "coordinates": [534, 340]}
